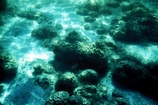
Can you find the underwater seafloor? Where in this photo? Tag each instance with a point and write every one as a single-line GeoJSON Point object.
{"type": "Point", "coordinates": [78, 52]}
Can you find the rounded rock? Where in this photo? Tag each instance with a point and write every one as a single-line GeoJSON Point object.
{"type": "Point", "coordinates": [8, 67]}
{"type": "Point", "coordinates": [88, 76]}
{"type": "Point", "coordinates": [58, 98]}
{"type": "Point", "coordinates": [67, 82]}
{"type": "Point", "coordinates": [87, 91]}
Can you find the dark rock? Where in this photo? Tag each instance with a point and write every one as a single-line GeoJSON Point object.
{"type": "Point", "coordinates": [133, 31]}
{"type": "Point", "coordinates": [88, 76]}
{"type": "Point", "coordinates": [116, 94]}
{"type": "Point", "coordinates": [119, 98]}
{"type": "Point", "coordinates": [80, 55]}
{"type": "Point", "coordinates": [8, 67]}
{"type": "Point", "coordinates": [87, 91]}
{"type": "Point", "coordinates": [118, 31]}
{"type": "Point", "coordinates": [30, 14]}
{"type": "Point", "coordinates": [58, 98]}
{"type": "Point", "coordinates": [138, 24]}
{"type": "Point", "coordinates": [67, 82]}
{"type": "Point", "coordinates": [129, 74]}
{"type": "Point", "coordinates": [38, 69]}
{"type": "Point", "coordinates": [92, 7]}
{"type": "Point", "coordinates": [77, 100]}
{"type": "Point", "coordinates": [44, 32]}
{"type": "Point", "coordinates": [128, 7]}
{"type": "Point", "coordinates": [43, 82]}
{"type": "Point", "coordinates": [135, 13]}
{"type": "Point", "coordinates": [102, 91]}
{"type": "Point", "coordinates": [91, 89]}
{"type": "Point", "coordinates": [74, 37]}
{"type": "Point", "coordinates": [133, 76]}
{"type": "Point", "coordinates": [153, 68]}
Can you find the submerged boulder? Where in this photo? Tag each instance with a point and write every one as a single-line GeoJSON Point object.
{"type": "Point", "coordinates": [88, 76]}
{"type": "Point", "coordinates": [58, 98]}
{"type": "Point", "coordinates": [63, 98]}
{"type": "Point", "coordinates": [86, 91]}
{"type": "Point", "coordinates": [67, 82]}
{"type": "Point", "coordinates": [138, 24]}
{"type": "Point", "coordinates": [74, 37]}
{"type": "Point", "coordinates": [79, 56]}
{"type": "Point", "coordinates": [8, 67]}
{"type": "Point", "coordinates": [130, 75]}
{"type": "Point", "coordinates": [44, 32]}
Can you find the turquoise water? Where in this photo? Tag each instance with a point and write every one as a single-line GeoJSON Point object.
{"type": "Point", "coordinates": [55, 39]}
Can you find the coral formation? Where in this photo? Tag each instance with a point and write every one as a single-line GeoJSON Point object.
{"type": "Point", "coordinates": [138, 24]}
{"type": "Point", "coordinates": [84, 56]}
{"type": "Point", "coordinates": [44, 32]}
{"type": "Point", "coordinates": [67, 82]}
{"type": "Point", "coordinates": [8, 67]}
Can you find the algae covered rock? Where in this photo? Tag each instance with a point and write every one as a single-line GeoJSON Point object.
{"type": "Point", "coordinates": [58, 98]}
{"type": "Point", "coordinates": [63, 98]}
{"type": "Point", "coordinates": [8, 67]}
{"type": "Point", "coordinates": [88, 76]}
{"type": "Point", "coordinates": [80, 56]}
{"type": "Point", "coordinates": [138, 24]}
{"type": "Point", "coordinates": [86, 91]}
{"type": "Point", "coordinates": [129, 74]}
{"type": "Point", "coordinates": [67, 82]}
{"type": "Point", "coordinates": [74, 37]}
{"type": "Point", "coordinates": [135, 77]}
{"type": "Point", "coordinates": [77, 100]}
{"type": "Point", "coordinates": [44, 32]}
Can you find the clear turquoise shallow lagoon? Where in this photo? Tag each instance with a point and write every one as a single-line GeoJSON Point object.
{"type": "Point", "coordinates": [85, 52]}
